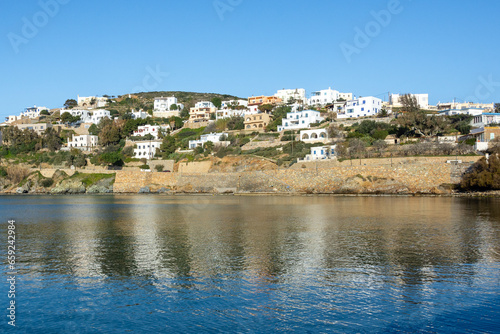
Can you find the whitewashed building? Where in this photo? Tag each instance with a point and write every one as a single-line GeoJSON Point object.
{"type": "Point", "coordinates": [86, 101]}
{"type": "Point", "coordinates": [327, 96]}
{"type": "Point", "coordinates": [234, 103]}
{"type": "Point", "coordinates": [468, 111]}
{"type": "Point", "coordinates": [98, 115]}
{"type": "Point", "coordinates": [422, 100]}
{"type": "Point", "coordinates": [315, 135]}
{"type": "Point", "coordinates": [228, 113]}
{"type": "Point", "coordinates": [33, 112]}
{"type": "Point", "coordinates": [326, 152]}
{"type": "Point", "coordinates": [295, 95]}
{"type": "Point", "coordinates": [84, 114]}
{"type": "Point", "coordinates": [145, 130]}
{"type": "Point", "coordinates": [364, 106]}
{"type": "Point", "coordinates": [485, 119]}
{"type": "Point", "coordinates": [141, 114]}
{"type": "Point", "coordinates": [212, 137]}
{"type": "Point", "coordinates": [300, 120]}
{"type": "Point", "coordinates": [163, 107]}
{"type": "Point", "coordinates": [146, 149]}
{"type": "Point", "coordinates": [83, 142]}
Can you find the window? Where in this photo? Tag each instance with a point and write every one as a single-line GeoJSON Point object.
{"type": "Point", "coordinates": [362, 109]}
{"type": "Point", "coordinates": [364, 102]}
{"type": "Point", "coordinates": [492, 136]}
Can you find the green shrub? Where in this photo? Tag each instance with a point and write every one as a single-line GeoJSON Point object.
{"type": "Point", "coordinates": [144, 167]}
{"type": "Point", "coordinates": [159, 168]}
{"type": "Point", "coordinates": [483, 175]}
{"type": "Point", "coordinates": [47, 183]}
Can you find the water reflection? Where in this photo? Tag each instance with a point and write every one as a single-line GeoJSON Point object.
{"type": "Point", "coordinates": [279, 255]}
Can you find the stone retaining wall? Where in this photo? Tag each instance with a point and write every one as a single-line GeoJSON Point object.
{"type": "Point", "coordinates": [400, 178]}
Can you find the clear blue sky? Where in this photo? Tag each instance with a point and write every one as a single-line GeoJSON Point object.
{"type": "Point", "coordinates": [448, 49]}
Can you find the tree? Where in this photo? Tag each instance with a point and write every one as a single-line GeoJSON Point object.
{"type": "Point", "coordinates": [109, 133]}
{"type": "Point", "coordinates": [44, 112]}
{"type": "Point", "coordinates": [266, 107]}
{"type": "Point", "coordinates": [409, 103]}
{"type": "Point", "coordinates": [184, 113]}
{"type": "Point", "coordinates": [173, 107]}
{"type": "Point", "coordinates": [51, 139]}
{"type": "Point", "coordinates": [357, 146]}
{"type": "Point", "coordinates": [217, 102]}
{"type": "Point", "coordinates": [419, 123]}
{"type": "Point", "coordinates": [236, 123]}
{"type": "Point", "coordinates": [497, 107]}
{"type": "Point", "coordinates": [93, 130]}
{"type": "Point", "coordinates": [70, 103]}
{"type": "Point", "coordinates": [168, 146]}
{"type": "Point", "coordinates": [380, 146]}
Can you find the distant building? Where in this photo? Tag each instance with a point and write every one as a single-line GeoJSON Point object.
{"type": "Point", "coordinates": [39, 128]}
{"type": "Point", "coordinates": [167, 107]}
{"type": "Point", "coordinates": [468, 111]}
{"type": "Point", "coordinates": [311, 136]}
{"type": "Point", "coordinates": [146, 149]}
{"type": "Point", "coordinates": [92, 101]}
{"type": "Point", "coordinates": [33, 112]}
{"type": "Point", "coordinates": [145, 130]}
{"type": "Point", "coordinates": [98, 115]}
{"type": "Point", "coordinates": [485, 119]}
{"type": "Point", "coordinates": [234, 103]}
{"type": "Point", "coordinates": [139, 114]}
{"type": "Point", "coordinates": [292, 95]}
{"type": "Point", "coordinates": [83, 142]}
{"type": "Point", "coordinates": [215, 138]}
{"type": "Point", "coordinates": [364, 106]}
{"type": "Point", "coordinates": [326, 152]}
{"type": "Point", "coordinates": [300, 120]}
{"type": "Point", "coordinates": [328, 96]}
{"type": "Point", "coordinates": [202, 112]}
{"type": "Point", "coordinates": [257, 122]}
{"type": "Point", "coordinates": [465, 105]}
{"type": "Point", "coordinates": [422, 100]}
{"type": "Point", "coordinates": [255, 101]}
{"type": "Point", "coordinates": [84, 114]}
{"type": "Point", "coordinates": [484, 135]}
{"type": "Point", "coordinates": [228, 113]}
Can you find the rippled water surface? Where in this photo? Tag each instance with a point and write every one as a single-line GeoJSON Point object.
{"type": "Point", "coordinates": [113, 264]}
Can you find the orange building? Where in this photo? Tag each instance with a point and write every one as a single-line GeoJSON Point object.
{"type": "Point", "coordinates": [258, 100]}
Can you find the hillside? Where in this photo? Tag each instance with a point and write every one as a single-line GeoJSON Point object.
{"type": "Point", "coordinates": [146, 100]}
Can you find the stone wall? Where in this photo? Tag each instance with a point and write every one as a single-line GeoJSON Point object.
{"type": "Point", "coordinates": [430, 177]}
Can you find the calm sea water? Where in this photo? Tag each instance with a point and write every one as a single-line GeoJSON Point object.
{"type": "Point", "coordinates": [195, 264]}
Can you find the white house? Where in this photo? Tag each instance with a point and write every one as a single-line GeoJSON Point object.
{"type": "Point", "coordinates": [33, 112]}
{"type": "Point", "coordinates": [485, 119]}
{"type": "Point", "coordinates": [320, 153]}
{"type": "Point", "coordinates": [83, 142]}
{"type": "Point", "coordinates": [141, 114]}
{"type": "Point", "coordinates": [327, 96]}
{"type": "Point", "coordinates": [86, 101]}
{"type": "Point", "coordinates": [146, 149]}
{"type": "Point", "coordinates": [212, 137]}
{"type": "Point", "coordinates": [228, 113]}
{"type": "Point", "coordinates": [233, 103]}
{"type": "Point", "coordinates": [145, 130]}
{"type": "Point", "coordinates": [84, 114]}
{"type": "Point", "coordinates": [300, 120]}
{"type": "Point", "coordinates": [204, 104]}
{"type": "Point", "coordinates": [98, 115]}
{"type": "Point", "coordinates": [465, 105]}
{"type": "Point", "coordinates": [422, 100]}
{"type": "Point", "coordinates": [297, 95]}
{"type": "Point", "coordinates": [468, 111]}
{"type": "Point", "coordinates": [163, 107]}
{"type": "Point", "coordinates": [364, 106]}
{"type": "Point", "coordinates": [315, 135]}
